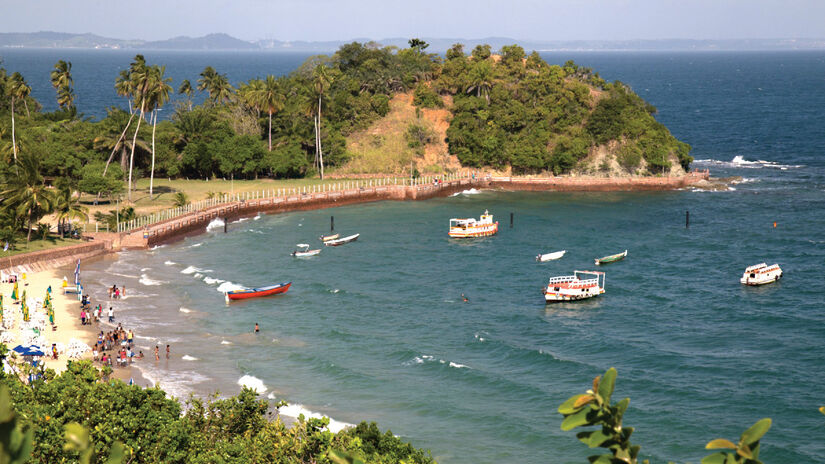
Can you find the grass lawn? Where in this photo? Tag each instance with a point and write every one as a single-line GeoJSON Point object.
{"type": "Point", "coordinates": [164, 191]}
{"type": "Point", "coordinates": [37, 245]}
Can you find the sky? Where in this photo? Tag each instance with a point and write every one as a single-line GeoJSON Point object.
{"type": "Point", "coordinates": [319, 20]}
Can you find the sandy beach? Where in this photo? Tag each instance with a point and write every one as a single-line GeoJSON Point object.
{"type": "Point", "coordinates": [66, 313]}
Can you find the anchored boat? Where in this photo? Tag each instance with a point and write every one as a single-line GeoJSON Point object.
{"type": "Point", "coordinates": [256, 292]}
{"type": "Point", "coordinates": [468, 228]}
{"type": "Point", "coordinates": [550, 256]}
{"type": "Point", "coordinates": [574, 287]}
{"type": "Point", "coordinates": [303, 251]}
{"type": "Point", "coordinates": [341, 241]}
{"type": "Point", "coordinates": [611, 258]}
{"type": "Point", "coordinates": [326, 238]}
{"type": "Point", "coordinates": [761, 274]}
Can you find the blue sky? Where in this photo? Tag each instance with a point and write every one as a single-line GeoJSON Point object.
{"type": "Point", "coordinates": [376, 19]}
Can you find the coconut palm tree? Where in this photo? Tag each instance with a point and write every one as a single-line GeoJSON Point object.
{"type": "Point", "coordinates": [322, 81]}
{"type": "Point", "coordinates": [140, 77]}
{"type": "Point", "coordinates": [68, 207]}
{"type": "Point", "coordinates": [186, 89]}
{"type": "Point", "coordinates": [216, 85]}
{"type": "Point", "coordinates": [249, 93]}
{"type": "Point", "coordinates": [158, 90]}
{"type": "Point", "coordinates": [272, 99]}
{"type": "Point", "coordinates": [481, 79]}
{"type": "Point", "coordinates": [13, 90]}
{"type": "Point", "coordinates": [61, 78]}
{"type": "Point", "coordinates": [123, 87]}
{"type": "Point", "coordinates": [26, 192]}
{"type": "Point", "coordinates": [113, 139]}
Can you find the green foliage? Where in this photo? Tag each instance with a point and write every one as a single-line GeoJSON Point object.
{"type": "Point", "coordinates": [746, 451]}
{"type": "Point", "coordinates": [629, 156]}
{"type": "Point", "coordinates": [80, 417]}
{"type": "Point", "coordinates": [111, 218]}
{"type": "Point", "coordinates": [425, 97]}
{"type": "Point", "coordinates": [181, 199]}
{"type": "Point", "coordinates": [418, 135]}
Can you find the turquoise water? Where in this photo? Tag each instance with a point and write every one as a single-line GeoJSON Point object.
{"type": "Point", "coordinates": [376, 330]}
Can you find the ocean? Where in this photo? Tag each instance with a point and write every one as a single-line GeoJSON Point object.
{"type": "Point", "coordinates": [376, 330]}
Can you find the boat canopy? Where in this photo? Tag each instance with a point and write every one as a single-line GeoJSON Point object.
{"type": "Point", "coordinates": [755, 267]}
{"type": "Point", "coordinates": [462, 221]}
{"type": "Point", "coordinates": [302, 245]}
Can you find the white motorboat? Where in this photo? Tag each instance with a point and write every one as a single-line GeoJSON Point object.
{"type": "Point", "coordinates": [550, 256]}
{"type": "Point", "coordinates": [761, 274]}
{"type": "Point", "coordinates": [303, 251]}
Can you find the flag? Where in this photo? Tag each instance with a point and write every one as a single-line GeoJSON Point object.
{"type": "Point", "coordinates": [77, 273]}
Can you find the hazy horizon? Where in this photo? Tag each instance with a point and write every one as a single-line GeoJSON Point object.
{"type": "Point", "coordinates": [329, 20]}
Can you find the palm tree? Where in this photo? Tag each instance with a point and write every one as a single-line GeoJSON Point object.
{"type": "Point", "coordinates": [27, 193]}
{"type": "Point", "coordinates": [140, 77]}
{"type": "Point", "coordinates": [217, 85]}
{"type": "Point", "coordinates": [68, 207]}
{"type": "Point", "coordinates": [272, 99]}
{"type": "Point", "coordinates": [186, 89]}
{"type": "Point", "coordinates": [323, 80]}
{"type": "Point", "coordinates": [158, 90]}
{"type": "Point", "coordinates": [123, 87]}
{"type": "Point", "coordinates": [481, 79]}
{"type": "Point", "coordinates": [61, 78]}
{"type": "Point", "coordinates": [205, 82]}
{"type": "Point", "coordinates": [13, 89]}
{"type": "Point", "coordinates": [110, 140]}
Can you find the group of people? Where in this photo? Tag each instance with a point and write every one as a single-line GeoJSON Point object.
{"type": "Point", "coordinates": [87, 316]}
{"type": "Point", "coordinates": [115, 347]}
{"type": "Point", "coordinates": [116, 293]}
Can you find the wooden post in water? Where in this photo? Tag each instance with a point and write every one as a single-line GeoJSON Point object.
{"type": "Point", "coordinates": [687, 219]}
{"type": "Point", "coordinates": [511, 220]}
{"type": "Point", "coordinates": [331, 223]}
{"type": "Point", "coordinates": [225, 222]}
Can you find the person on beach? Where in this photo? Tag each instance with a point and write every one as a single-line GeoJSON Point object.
{"type": "Point", "coordinates": [167, 351]}
{"type": "Point", "coordinates": [54, 351]}
{"type": "Point", "coordinates": [257, 329]}
{"type": "Point", "coordinates": [131, 336]}
{"type": "Point", "coordinates": [140, 354]}
{"type": "Point", "coordinates": [111, 314]}
{"type": "Point", "coordinates": [157, 354]}
{"type": "Point", "coordinates": [83, 317]}
{"type": "Point", "coordinates": [95, 353]}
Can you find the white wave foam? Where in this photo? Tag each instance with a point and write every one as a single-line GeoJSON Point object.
{"type": "Point", "coordinates": [169, 263]}
{"type": "Point", "coordinates": [211, 280]}
{"type": "Point", "coordinates": [216, 223]}
{"type": "Point", "coordinates": [196, 245]}
{"type": "Point", "coordinates": [271, 396]}
{"type": "Point", "coordinates": [144, 269]}
{"type": "Point", "coordinates": [228, 287]}
{"type": "Point", "coordinates": [225, 342]}
{"type": "Point", "coordinates": [257, 216]}
{"type": "Point", "coordinates": [254, 383]}
{"type": "Point", "coordinates": [124, 275]}
{"type": "Point", "coordinates": [185, 310]}
{"type": "Point", "coordinates": [145, 280]}
{"type": "Point", "coordinates": [197, 275]}
{"type": "Point", "coordinates": [458, 366]}
{"type": "Point", "coordinates": [190, 270]}
{"type": "Point", "coordinates": [186, 357]}
{"type": "Point", "coordinates": [239, 220]}
{"type": "Point", "coordinates": [471, 191]}
{"type": "Point", "coordinates": [739, 161]}
{"type": "Point", "coordinates": [295, 410]}
{"type": "Point", "coordinates": [157, 247]}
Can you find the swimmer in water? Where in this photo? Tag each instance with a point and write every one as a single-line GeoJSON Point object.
{"type": "Point", "coordinates": [257, 329]}
{"type": "Point", "coordinates": [464, 298]}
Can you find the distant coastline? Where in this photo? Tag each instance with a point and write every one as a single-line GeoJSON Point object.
{"type": "Point", "coordinates": [220, 41]}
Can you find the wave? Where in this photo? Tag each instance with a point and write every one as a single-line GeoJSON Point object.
{"type": "Point", "coordinates": [212, 280]}
{"type": "Point", "coordinates": [157, 247]}
{"type": "Point", "coordinates": [186, 357]}
{"type": "Point", "coordinates": [471, 191]}
{"type": "Point", "coordinates": [739, 161]}
{"type": "Point", "coordinates": [254, 383]}
{"type": "Point", "coordinates": [124, 275]}
{"type": "Point", "coordinates": [295, 410]}
{"type": "Point", "coordinates": [145, 269]}
{"type": "Point", "coordinates": [458, 366]}
{"type": "Point", "coordinates": [425, 358]}
{"type": "Point", "coordinates": [238, 221]}
{"type": "Point", "coordinates": [169, 263]}
{"type": "Point", "coordinates": [191, 270]}
{"type": "Point", "coordinates": [228, 287]}
{"type": "Point", "coordinates": [197, 275]}
{"type": "Point", "coordinates": [196, 245]}
{"type": "Point", "coordinates": [257, 216]}
{"type": "Point", "coordinates": [145, 280]}
{"type": "Point", "coordinates": [225, 342]}
{"type": "Point", "coordinates": [185, 310]}
{"type": "Point", "coordinates": [216, 223]}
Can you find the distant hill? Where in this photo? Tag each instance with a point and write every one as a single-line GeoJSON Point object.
{"type": "Point", "coordinates": [220, 41]}
{"type": "Point", "coordinates": [207, 42]}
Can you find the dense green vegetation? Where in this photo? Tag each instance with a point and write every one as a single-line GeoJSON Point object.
{"type": "Point", "coordinates": [509, 110]}
{"type": "Point", "coordinates": [155, 429]}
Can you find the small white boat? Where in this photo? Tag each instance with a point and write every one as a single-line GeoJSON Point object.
{"type": "Point", "coordinates": [761, 274]}
{"type": "Point", "coordinates": [341, 241]}
{"type": "Point", "coordinates": [303, 251]}
{"type": "Point", "coordinates": [326, 238]}
{"type": "Point", "coordinates": [550, 256]}
{"type": "Point", "coordinates": [574, 287]}
{"type": "Point", "coordinates": [470, 228]}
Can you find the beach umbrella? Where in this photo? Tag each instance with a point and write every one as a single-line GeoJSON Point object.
{"type": "Point", "coordinates": [31, 350]}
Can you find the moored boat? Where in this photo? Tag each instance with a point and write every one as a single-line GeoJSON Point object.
{"type": "Point", "coordinates": [304, 251]}
{"type": "Point", "coordinates": [761, 274]}
{"type": "Point", "coordinates": [574, 287]}
{"type": "Point", "coordinates": [470, 227]}
{"type": "Point", "coordinates": [257, 292]}
{"type": "Point", "coordinates": [550, 256]}
{"type": "Point", "coordinates": [341, 241]}
{"type": "Point", "coordinates": [326, 238]}
{"type": "Point", "coordinates": [611, 258]}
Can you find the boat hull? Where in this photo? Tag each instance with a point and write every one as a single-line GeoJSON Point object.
{"type": "Point", "coordinates": [550, 256]}
{"type": "Point", "coordinates": [258, 292]}
{"type": "Point", "coordinates": [305, 254]}
{"type": "Point", "coordinates": [473, 232]}
{"type": "Point", "coordinates": [552, 297]}
{"type": "Point", "coordinates": [342, 241]}
{"type": "Point", "coordinates": [611, 258]}
{"type": "Point", "coordinates": [757, 281]}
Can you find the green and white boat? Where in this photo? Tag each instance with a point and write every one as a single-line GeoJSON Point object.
{"type": "Point", "coordinates": [611, 258]}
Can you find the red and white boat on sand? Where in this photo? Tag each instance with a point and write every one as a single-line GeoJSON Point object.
{"type": "Point", "coordinates": [574, 287]}
{"type": "Point", "coordinates": [256, 292]}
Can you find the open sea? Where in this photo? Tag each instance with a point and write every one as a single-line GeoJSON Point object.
{"type": "Point", "coordinates": [376, 330]}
